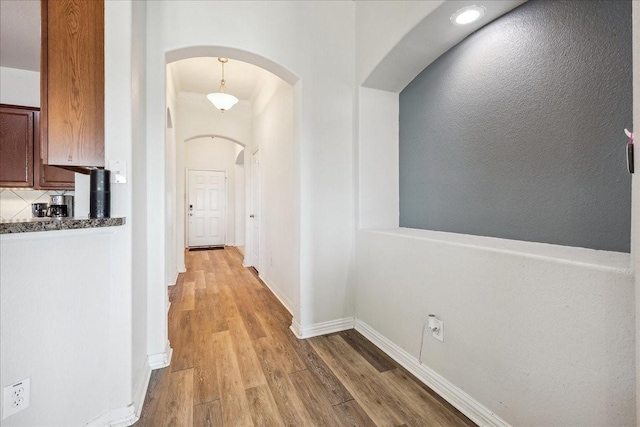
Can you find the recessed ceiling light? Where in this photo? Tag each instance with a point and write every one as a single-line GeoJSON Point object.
{"type": "Point", "coordinates": [467, 15]}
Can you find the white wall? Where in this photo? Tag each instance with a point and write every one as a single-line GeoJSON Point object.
{"type": "Point", "coordinates": [54, 328]}
{"type": "Point", "coordinates": [137, 175]}
{"type": "Point", "coordinates": [172, 263]}
{"type": "Point", "coordinates": [538, 334]}
{"type": "Point", "coordinates": [273, 133]}
{"type": "Point", "coordinates": [397, 18]}
{"type": "Point", "coordinates": [19, 87]}
{"type": "Point", "coordinates": [635, 195]}
{"type": "Point", "coordinates": [293, 36]}
{"type": "Point", "coordinates": [220, 155]}
{"type": "Point", "coordinates": [378, 165]}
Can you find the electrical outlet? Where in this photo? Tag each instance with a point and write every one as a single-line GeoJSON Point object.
{"type": "Point", "coordinates": [439, 332]}
{"type": "Point", "coordinates": [16, 397]}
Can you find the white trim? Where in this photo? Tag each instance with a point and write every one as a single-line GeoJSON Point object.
{"type": "Point", "coordinates": [322, 328]}
{"type": "Point", "coordinates": [466, 404]}
{"type": "Point", "coordinates": [250, 238]}
{"type": "Point", "coordinates": [100, 421]}
{"type": "Point", "coordinates": [275, 291]}
{"type": "Point", "coordinates": [161, 360]}
{"type": "Point", "coordinates": [175, 278]}
{"type": "Point", "coordinates": [296, 328]}
{"type": "Point", "coordinates": [140, 392]}
{"type": "Point", "coordinates": [119, 417]}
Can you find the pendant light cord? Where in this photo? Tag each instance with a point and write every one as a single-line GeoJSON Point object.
{"type": "Point", "coordinates": [222, 80]}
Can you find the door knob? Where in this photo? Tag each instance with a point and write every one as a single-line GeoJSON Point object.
{"type": "Point", "coordinates": [252, 216]}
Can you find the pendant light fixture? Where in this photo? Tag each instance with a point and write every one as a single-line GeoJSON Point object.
{"type": "Point", "coordinates": [222, 100]}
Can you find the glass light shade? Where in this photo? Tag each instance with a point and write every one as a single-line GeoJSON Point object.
{"type": "Point", "coordinates": [222, 101]}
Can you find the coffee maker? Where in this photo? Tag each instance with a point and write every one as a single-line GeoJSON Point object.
{"type": "Point", "coordinates": [57, 207]}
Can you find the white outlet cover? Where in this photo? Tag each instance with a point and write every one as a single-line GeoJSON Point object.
{"type": "Point", "coordinates": [11, 402]}
{"type": "Point", "coordinates": [439, 334]}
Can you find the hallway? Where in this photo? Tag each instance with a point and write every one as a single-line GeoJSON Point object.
{"type": "Point", "coordinates": [235, 362]}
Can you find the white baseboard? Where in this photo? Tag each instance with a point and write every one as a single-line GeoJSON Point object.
{"type": "Point", "coordinates": [140, 392]}
{"type": "Point", "coordinates": [322, 328]}
{"type": "Point", "coordinates": [286, 302]}
{"type": "Point", "coordinates": [161, 360]}
{"type": "Point", "coordinates": [119, 417]}
{"type": "Point", "coordinates": [466, 404]}
{"type": "Point", "coordinates": [175, 278]}
{"type": "Point", "coordinates": [128, 415]}
{"type": "Point", "coordinates": [123, 417]}
{"type": "Point", "coordinates": [296, 328]}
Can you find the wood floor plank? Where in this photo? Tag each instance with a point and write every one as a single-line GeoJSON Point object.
{"type": "Point", "coordinates": [206, 387]}
{"type": "Point", "coordinates": [250, 368]}
{"type": "Point", "coordinates": [183, 353]}
{"type": "Point", "coordinates": [336, 391]}
{"type": "Point", "coordinates": [200, 282]}
{"type": "Point", "coordinates": [251, 321]}
{"type": "Point", "coordinates": [423, 404]}
{"type": "Point", "coordinates": [314, 398]}
{"type": "Point", "coordinates": [188, 296]}
{"type": "Point", "coordinates": [177, 409]}
{"type": "Point", "coordinates": [351, 414]}
{"type": "Point", "coordinates": [207, 414]}
{"type": "Point", "coordinates": [264, 410]}
{"type": "Point", "coordinates": [291, 408]}
{"type": "Point", "coordinates": [360, 378]}
{"type": "Point", "coordinates": [235, 408]}
{"type": "Point", "coordinates": [286, 352]}
{"type": "Point", "coordinates": [154, 400]}
{"type": "Point", "coordinates": [227, 304]}
{"type": "Point", "coordinates": [371, 353]}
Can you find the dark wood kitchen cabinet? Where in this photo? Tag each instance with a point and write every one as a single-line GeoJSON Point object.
{"type": "Point", "coordinates": [72, 83]}
{"type": "Point", "coordinates": [20, 162]}
{"type": "Point", "coordinates": [16, 146]}
{"type": "Point", "coordinates": [46, 177]}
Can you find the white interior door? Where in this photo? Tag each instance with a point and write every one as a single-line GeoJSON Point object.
{"type": "Point", "coordinates": [254, 218]}
{"type": "Point", "coordinates": [206, 208]}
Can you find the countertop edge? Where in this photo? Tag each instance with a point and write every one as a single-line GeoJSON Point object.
{"type": "Point", "coordinates": [49, 224]}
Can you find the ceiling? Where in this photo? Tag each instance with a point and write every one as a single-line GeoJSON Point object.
{"type": "Point", "coordinates": [202, 75]}
{"type": "Point", "coordinates": [20, 34]}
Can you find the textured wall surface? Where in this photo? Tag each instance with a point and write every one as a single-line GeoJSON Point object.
{"type": "Point", "coordinates": [517, 131]}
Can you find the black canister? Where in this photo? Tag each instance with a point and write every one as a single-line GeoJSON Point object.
{"type": "Point", "coordinates": [100, 195]}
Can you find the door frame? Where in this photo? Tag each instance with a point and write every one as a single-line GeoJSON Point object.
{"type": "Point", "coordinates": [186, 204]}
{"type": "Point", "coordinates": [249, 235]}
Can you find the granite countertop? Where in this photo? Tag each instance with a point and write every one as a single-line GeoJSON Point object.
{"type": "Point", "coordinates": [52, 224]}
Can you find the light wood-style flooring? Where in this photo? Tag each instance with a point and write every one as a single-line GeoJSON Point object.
{"type": "Point", "coordinates": [236, 363]}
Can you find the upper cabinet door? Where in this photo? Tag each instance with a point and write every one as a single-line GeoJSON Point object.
{"type": "Point", "coordinates": [16, 147]}
{"type": "Point", "coordinates": [72, 80]}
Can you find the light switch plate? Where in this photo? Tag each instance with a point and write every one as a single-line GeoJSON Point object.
{"type": "Point", "coordinates": [118, 170]}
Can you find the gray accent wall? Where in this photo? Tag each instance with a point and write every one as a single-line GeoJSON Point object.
{"type": "Point", "coordinates": [517, 132]}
